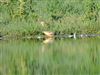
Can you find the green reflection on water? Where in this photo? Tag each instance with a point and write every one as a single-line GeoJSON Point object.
{"type": "Point", "coordinates": [61, 57]}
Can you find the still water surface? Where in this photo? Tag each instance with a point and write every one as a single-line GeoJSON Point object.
{"type": "Point", "coordinates": [59, 57]}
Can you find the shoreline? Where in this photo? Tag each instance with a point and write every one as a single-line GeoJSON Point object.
{"type": "Point", "coordinates": [65, 36]}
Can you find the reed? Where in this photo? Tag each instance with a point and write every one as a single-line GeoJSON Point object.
{"type": "Point", "coordinates": [57, 58]}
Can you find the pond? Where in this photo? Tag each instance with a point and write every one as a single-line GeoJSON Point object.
{"type": "Point", "coordinates": [59, 57]}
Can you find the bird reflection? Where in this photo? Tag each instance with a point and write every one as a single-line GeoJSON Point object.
{"type": "Point", "coordinates": [48, 40]}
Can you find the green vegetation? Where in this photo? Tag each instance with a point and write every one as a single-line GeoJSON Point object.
{"type": "Point", "coordinates": [24, 17]}
{"type": "Point", "coordinates": [76, 57]}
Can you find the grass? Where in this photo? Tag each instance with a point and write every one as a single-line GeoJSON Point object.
{"type": "Point", "coordinates": [22, 18]}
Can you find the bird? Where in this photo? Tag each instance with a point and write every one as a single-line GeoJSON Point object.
{"type": "Point", "coordinates": [48, 34]}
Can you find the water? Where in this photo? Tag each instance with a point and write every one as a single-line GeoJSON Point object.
{"type": "Point", "coordinates": [56, 57]}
